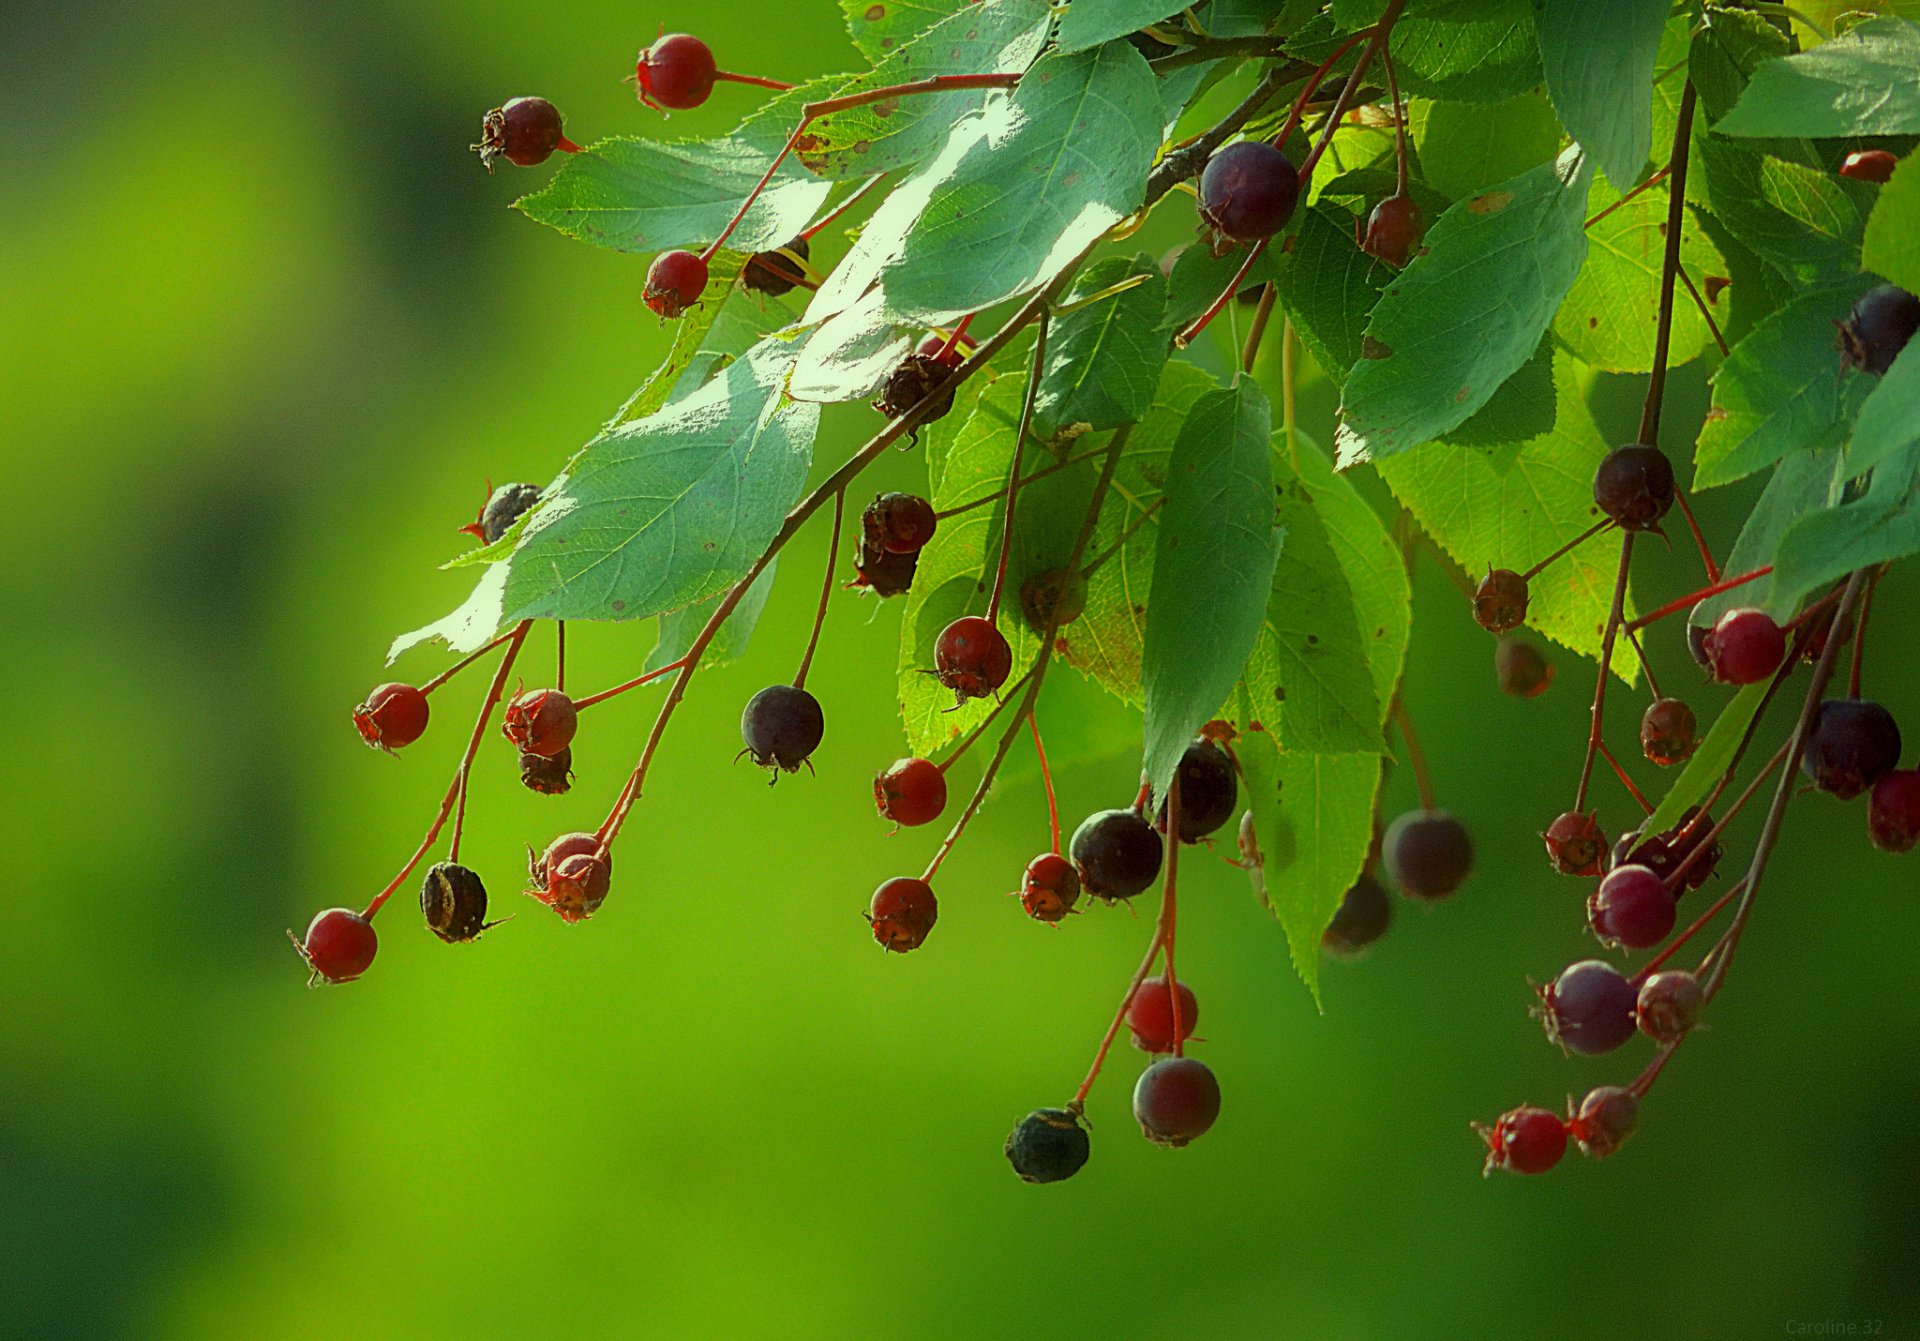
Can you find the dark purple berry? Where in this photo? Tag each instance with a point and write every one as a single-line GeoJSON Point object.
{"type": "Point", "coordinates": [1851, 744]}
{"type": "Point", "coordinates": [782, 726]}
{"type": "Point", "coordinates": [1589, 1008]}
{"type": "Point", "coordinates": [1665, 853]}
{"type": "Point", "coordinates": [454, 902]}
{"type": "Point", "coordinates": [1209, 792]}
{"type": "Point", "coordinates": [1500, 601]}
{"type": "Point", "coordinates": [916, 378]}
{"type": "Point", "coordinates": [1893, 815]}
{"type": "Point", "coordinates": [1248, 191]}
{"type": "Point", "coordinates": [1878, 328]}
{"type": "Point", "coordinates": [1363, 917]}
{"type": "Point", "coordinates": [1631, 908]}
{"type": "Point", "coordinates": [1634, 486]}
{"type": "Point", "coordinates": [1428, 853]}
{"type": "Point", "coordinates": [1117, 854]}
{"type": "Point", "coordinates": [1669, 1006]}
{"type": "Point", "coordinates": [775, 273]}
{"type": "Point", "coordinates": [1175, 1100]}
{"type": "Point", "coordinates": [898, 523]}
{"type": "Point", "coordinates": [883, 572]}
{"type": "Point", "coordinates": [1048, 1145]}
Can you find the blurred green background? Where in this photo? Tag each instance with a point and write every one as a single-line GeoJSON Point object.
{"type": "Point", "coordinates": [266, 330]}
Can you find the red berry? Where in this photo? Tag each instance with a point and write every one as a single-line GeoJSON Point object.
{"type": "Point", "coordinates": [542, 722]}
{"type": "Point", "coordinates": [1248, 191]}
{"type": "Point", "coordinates": [1363, 917]}
{"type": "Point", "coordinates": [1851, 744]}
{"type": "Point", "coordinates": [573, 876]}
{"type": "Point", "coordinates": [1632, 908]}
{"type": "Point", "coordinates": [1428, 853]}
{"type": "Point", "coordinates": [1575, 843]}
{"type": "Point", "coordinates": [971, 657]}
{"type": "Point", "coordinates": [1391, 230]}
{"type": "Point", "coordinates": [1050, 888]}
{"type": "Point", "coordinates": [1607, 1117]}
{"type": "Point", "coordinates": [1893, 814]}
{"type": "Point", "coordinates": [1589, 1008]}
{"type": "Point", "coordinates": [775, 273]}
{"type": "Point", "coordinates": [1175, 1100]}
{"type": "Point", "coordinates": [1526, 1140]}
{"type": "Point", "coordinates": [1669, 1006]}
{"type": "Point", "coordinates": [524, 131]}
{"type": "Point", "coordinates": [1116, 853]}
{"type": "Point", "coordinates": [903, 911]}
{"type": "Point", "coordinates": [898, 523]}
{"type": "Point", "coordinates": [1634, 486]}
{"type": "Point", "coordinates": [675, 281]}
{"type": "Point", "coordinates": [1878, 328]}
{"type": "Point", "coordinates": [1745, 646]}
{"type": "Point", "coordinates": [677, 71]}
{"type": "Point", "coordinates": [339, 945]}
{"type": "Point", "coordinates": [912, 791]}
{"type": "Point", "coordinates": [1500, 601]}
{"type": "Point", "coordinates": [1869, 165]}
{"type": "Point", "coordinates": [393, 716]}
{"type": "Point", "coordinates": [1520, 670]}
{"type": "Point", "coordinates": [1150, 1015]}
{"type": "Point", "coordinates": [1668, 732]}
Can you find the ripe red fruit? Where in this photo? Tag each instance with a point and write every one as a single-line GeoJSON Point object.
{"type": "Point", "coordinates": [1634, 486]}
{"type": "Point", "coordinates": [1632, 908]}
{"type": "Point", "coordinates": [1209, 792]}
{"type": "Point", "coordinates": [1175, 1100]}
{"type": "Point", "coordinates": [1575, 843]}
{"type": "Point", "coordinates": [573, 876]}
{"type": "Point", "coordinates": [1391, 230]}
{"type": "Point", "coordinates": [1525, 1140]}
{"type": "Point", "coordinates": [1050, 888]}
{"type": "Point", "coordinates": [898, 523]}
{"type": "Point", "coordinates": [675, 281]}
{"type": "Point", "coordinates": [1150, 1015]}
{"type": "Point", "coordinates": [1428, 853]}
{"type": "Point", "coordinates": [1363, 917]}
{"type": "Point", "coordinates": [1607, 1117]}
{"type": "Point", "coordinates": [912, 791]}
{"type": "Point", "coordinates": [677, 71]}
{"type": "Point", "coordinates": [1668, 732]}
{"type": "Point", "coordinates": [541, 722]}
{"type": "Point", "coordinates": [1055, 597]}
{"type": "Point", "coordinates": [903, 911]}
{"type": "Point", "coordinates": [1116, 853]}
{"type": "Point", "coordinates": [338, 947]}
{"type": "Point", "coordinates": [971, 657]}
{"type": "Point", "coordinates": [775, 273]}
{"type": "Point", "coordinates": [1248, 191]}
{"type": "Point", "coordinates": [394, 715]}
{"type": "Point", "coordinates": [1851, 744]}
{"type": "Point", "coordinates": [1878, 328]}
{"type": "Point", "coordinates": [1669, 1006]}
{"type": "Point", "coordinates": [524, 131]}
{"type": "Point", "coordinates": [1520, 669]}
{"type": "Point", "coordinates": [1893, 814]}
{"type": "Point", "coordinates": [1500, 601]}
{"type": "Point", "coordinates": [1589, 1008]}
{"type": "Point", "coordinates": [1869, 165]}
{"type": "Point", "coordinates": [1745, 646]}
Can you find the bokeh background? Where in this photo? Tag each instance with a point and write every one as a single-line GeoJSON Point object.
{"type": "Point", "coordinates": [266, 331]}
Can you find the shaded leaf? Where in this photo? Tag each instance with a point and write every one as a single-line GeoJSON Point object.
{"type": "Point", "coordinates": [1598, 61]}
{"type": "Point", "coordinates": [1612, 312]}
{"type": "Point", "coordinates": [1328, 287]}
{"type": "Point", "coordinates": [1488, 58]}
{"type": "Point", "coordinates": [1889, 419]}
{"type": "Point", "coordinates": [1802, 483]}
{"type": "Point", "coordinates": [1104, 359]}
{"type": "Point", "coordinates": [1881, 525]}
{"type": "Point", "coordinates": [1466, 147]}
{"type": "Point", "coordinates": [678, 628]}
{"type": "Point", "coordinates": [1861, 83]}
{"type": "Point", "coordinates": [1807, 223]}
{"type": "Point", "coordinates": [1090, 22]}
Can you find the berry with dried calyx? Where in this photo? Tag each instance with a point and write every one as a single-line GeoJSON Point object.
{"type": "Point", "coordinates": [1631, 908]}
{"type": "Point", "coordinates": [1575, 843]}
{"type": "Point", "coordinates": [1248, 191]}
{"type": "Point", "coordinates": [394, 716]}
{"type": "Point", "coordinates": [454, 902]}
{"type": "Point", "coordinates": [677, 71]}
{"type": "Point", "coordinates": [1634, 486]}
{"type": "Point", "coordinates": [781, 726]}
{"type": "Point", "coordinates": [1048, 1145]}
{"type": "Point", "coordinates": [1391, 230]}
{"type": "Point", "coordinates": [776, 272]}
{"type": "Point", "coordinates": [884, 573]}
{"type": "Point", "coordinates": [541, 722]}
{"type": "Point", "coordinates": [898, 523]}
{"type": "Point", "coordinates": [903, 911]}
{"type": "Point", "coordinates": [547, 776]}
{"type": "Point", "coordinates": [573, 876]}
{"type": "Point", "coordinates": [1520, 669]}
{"type": "Point", "coordinates": [1664, 853]}
{"type": "Point", "coordinates": [1363, 917]}
{"type": "Point", "coordinates": [504, 507]}
{"type": "Point", "coordinates": [1588, 1009]}
{"type": "Point", "coordinates": [1668, 732]}
{"type": "Point", "coordinates": [1893, 812]}
{"type": "Point", "coordinates": [1525, 1140]}
{"type": "Point", "coordinates": [1607, 1117]}
{"type": "Point", "coordinates": [911, 792]}
{"type": "Point", "coordinates": [1428, 853]}
{"type": "Point", "coordinates": [1869, 165]}
{"type": "Point", "coordinates": [915, 379]}
{"type": "Point", "coordinates": [338, 947]}
{"type": "Point", "coordinates": [1175, 1100]}
{"type": "Point", "coordinates": [1500, 601]}
{"type": "Point", "coordinates": [1117, 854]}
{"type": "Point", "coordinates": [675, 281]}
{"type": "Point", "coordinates": [524, 131]}
{"type": "Point", "coordinates": [1745, 646]}
{"type": "Point", "coordinates": [1850, 745]}
{"type": "Point", "coordinates": [1878, 328]}
{"type": "Point", "coordinates": [971, 657]}
{"type": "Point", "coordinates": [1209, 792]}
{"type": "Point", "coordinates": [1669, 1006]}
{"type": "Point", "coordinates": [1150, 1015]}
{"type": "Point", "coordinates": [1054, 598]}
{"type": "Point", "coordinates": [1049, 888]}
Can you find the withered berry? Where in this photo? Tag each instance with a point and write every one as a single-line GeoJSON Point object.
{"type": "Point", "coordinates": [524, 131]}
{"type": "Point", "coordinates": [338, 947]}
{"type": "Point", "coordinates": [1607, 1117]}
{"type": "Point", "coordinates": [1525, 1140]}
{"type": "Point", "coordinates": [1668, 732]}
{"type": "Point", "coordinates": [1634, 486]}
{"type": "Point", "coordinates": [1117, 854]}
{"type": "Point", "coordinates": [775, 273]}
{"type": "Point", "coordinates": [1175, 1100]}
{"type": "Point", "coordinates": [911, 792]}
{"type": "Point", "coordinates": [1048, 1145]}
{"type": "Point", "coordinates": [916, 378]}
{"type": "Point", "coordinates": [547, 776]}
{"type": "Point", "coordinates": [1520, 669]}
{"type": "Point", "coordinates": [454, 902]}
{"type": "Point", "coordinates": [898, 523]}
{"type": "Point", "coordinates": [1056, 597]}
{"type": "Point", "coordinates": [677, 71]}
{"type": "Point", "coordinates": [394, 716]}
{"type": "Point", "coordinates": [1049, 888]}
{"type": "Point", "coordinates": [1209, 792]}
{"type": "Point", "coordinates": [1878, 328]}
{"type": "Point", "coordinates": [541, 722]}
{"type": "Point", "coordinates": [504, 507]}
{"type": "Point", "coordinates": [1893, 814]}
{"type": "Point", "coordinates": [1248, 191]}
{"type": "Point", "coordinates": [573, 876]}
{"type": "Point", "coordinates": [971, 657]}
{"type": "Point", "coordinates": [884, 573]}
{"type": "Point", "coordinates": [1665, 853]}
{"type": "Point", "coordinates": [1589, 1008]}
{"type": "Point", "coordinates": [1363, 917]}
{"type": "Point", "coordinates": [782, 726]}
{"type": "Point", "coordinates": [1575, 843]}
{"type": "Point", "coordinates": [1850, 745]}
{"type": "Point", "coordinates": [1150, 1015]}
{"type": "Point", "coordinates": [1500, 601]}
{"type": "Point", "coordinates": [903, 911]}
{"type": "Point", "coordinates": [1428, 853]}
{"type": "Point", "coordinates": [1669, 1006]}
{"type": "Point", "coordinates": [675, 281]}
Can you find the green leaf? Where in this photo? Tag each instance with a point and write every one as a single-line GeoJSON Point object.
{"type": "Point", "coordinates": [879, 26]}
{"type": "Point", "coordinates": [1019, 192]}
{"type": "Point", "coordinates": [1889, 419]}
{"type": "Point", "coordinates": [1487, 59]}
{"type": "Point", "coordinates": [1881, 525]}
{"type": "Point", "coordinates": [1807, 223]}
{"type": "Point", "coordinates": [1802, 483]}
{"type": "Point", "coordinates": [1104, 359]}
{"type": "Point", "coordinates": [1466, 147]}
{"type": "Point", "coordinates": [1466, 313]}
{"type": "Point", "coordinates": [1710, 759]}
{"type": "Point", "coordinates": [678, 628]}
{"type": "Point", "coordinates": [1313, 820]}
{"type": "Point", "coordinates": [1328, 286]}
{"type": "Point", "coordinates": [1722, 56]}
{"type": "Point", "coordinates": [1524, 407]}
{"type": "Point", "coordinates": [1511, 506]}
{"type": "Point", "coordinates": [850, 356]}
{"type": "Point", "coordinates": [1861, 83]}
{"type": "Point", "coordinates": [1000, 38]}
{"type": "Point", "coordinates": [1090, 22]}
{"type": "Point", "coordinates": [691, 335]}
{"type": "Point", "coordinates": [1779, 393]}
{"type": "Point", "coordinates": [1612, 312]}
{"type": "Point", "coordinates": [1199, 277]}
{"type": "Point", "coordinates": [1891, 248]}
{"type": "Point", "coordinates": [1213, 568]}
{"type": "Point", "coordinates": [1598, 59]}
{"type": "Point", "coordinates": [654, 515]}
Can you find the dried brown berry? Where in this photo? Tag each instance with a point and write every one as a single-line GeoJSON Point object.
{"type": "Point", "coordinates": [454, 902]}
{"type": "Point", "coordinates": [1500, 601]}
{"type": "Point", "coordinates": [548, 776]}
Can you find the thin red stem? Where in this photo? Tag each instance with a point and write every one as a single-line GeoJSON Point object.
{"type": "Point", "coordinates": [1375, 45]}
{"type": "Point", "coordinates": [758, 81]}
{"type": "Point", "coordinates": [1652, 966]}
{"type": "Point", "coordinates": [813, 230]}
{"type": "Point", "coordinates": [985, 722]}
{"type": "Point", "coordinates": [1860, 639]}
{"type": "Point", "coordinates": [1653, 179]}
{"type": "Point", "coordinates": [1199, 324]}
{"type": "Point", "coordinates": [1625, 781]}
{"type": "Point", "coordinates": [1692, 599]}
{"type": "Point", "coordinates": [462, 664]}
{"type": "Point", "coordinates": [953, 340]}
{"type": "Point", "coordinates": [1046, 781]}
{"type": "Point", "coordinates": [1029, 478]}
{"type": "Point", "coordinates": [560, 655]}
{"type": "Point", "coordinates": [1013, 472]}
{"type": "Point", "coordinates": [1606, 669]}
{"type": "Point", "coordinates": [1699, 536]}
{"type": "Point", "coordinates": [1416, 757]}
{"type": "Point", "coordinates": [1567, 548]}
{"type": "Point", "coordinates": [826, 592]}
{"type": "Point", "coordinates": [1313, 83]}
{"type": "Point", "coordinates": [1700, 304]}
{"type": "Point", "coordinates": [635, 683]}
{"type": "Point", "coordinates": [1646, 666]}
{"type": "Point", "coordinates": [1169, 907]}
